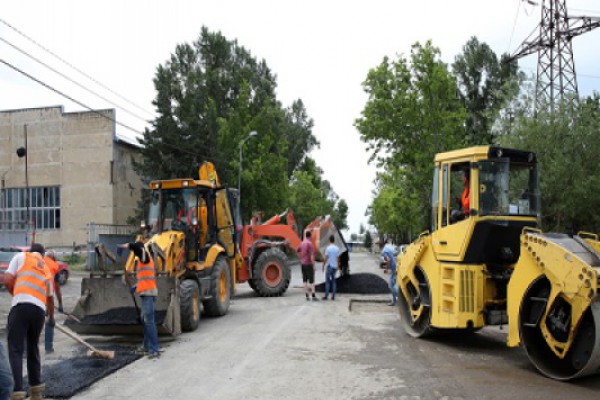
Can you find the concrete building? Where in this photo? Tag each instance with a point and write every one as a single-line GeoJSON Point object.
{"type": "Point", "coordinates": [79, 171]}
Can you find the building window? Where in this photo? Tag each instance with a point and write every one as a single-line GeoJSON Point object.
{"type": "Point", "coordinates": [44, 207]}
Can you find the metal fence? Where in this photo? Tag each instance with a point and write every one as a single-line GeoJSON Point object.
{"type": "Point", "coordinates": [110, 236]}
{"type": "Point", "coordinates": [14, 233]}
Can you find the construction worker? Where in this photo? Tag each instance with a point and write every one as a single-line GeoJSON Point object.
{"type": "Point", "coordinates": [50, 260]}
{"type": "Point", "coordinates": [390, 265]}
{"type": "Point", "coordinates": [29, 282]}
{"type": "Point", "coordinates": [146, 288]}
{"type": "Point", "coordinates": [306, 252]}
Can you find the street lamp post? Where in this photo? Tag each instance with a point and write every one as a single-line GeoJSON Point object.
{"type": "Point", "coordinates": [251, 134]}
{"type": "Point", "coordinates": [22, 152]}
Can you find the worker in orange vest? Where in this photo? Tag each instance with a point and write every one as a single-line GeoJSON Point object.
{"type": "Point", "coordinates": [50, 260]}
{"type": "Point", "coordinates": [146, 288]}
{"type": "Point", "coordinates": [465, 198]}
{"type": "Point", "coordinates": [29, 282]}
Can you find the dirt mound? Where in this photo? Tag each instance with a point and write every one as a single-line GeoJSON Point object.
{"type": "Point", "coordinates": [362, 283]}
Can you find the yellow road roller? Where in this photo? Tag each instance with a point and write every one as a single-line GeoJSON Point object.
{"type": "Point", "coordinates": [486, 262]}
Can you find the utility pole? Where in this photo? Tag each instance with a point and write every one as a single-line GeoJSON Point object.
{"type": "Point", "coordinates": [553, 43]}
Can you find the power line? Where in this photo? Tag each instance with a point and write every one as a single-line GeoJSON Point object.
{"type": "Point", "coordinates": [68, 97]}
{"type": "Point", "coordinates": [514, 26]}
{"type": "Point", "coordinates": [166, 144]}
{"type": "Point", "coordinates": [71, 80]}
{"type": "Point", "coordinates": [74, 67]}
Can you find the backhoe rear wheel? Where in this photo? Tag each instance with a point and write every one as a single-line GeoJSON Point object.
{"type": "Point", "coordinates": [414, 300]}
{"type": "Point", "coordinates": [270, 274]}
{"type": "Point", "coordinates": [220, 289]}
{"type": "Point", "coordinates": [189, 305]}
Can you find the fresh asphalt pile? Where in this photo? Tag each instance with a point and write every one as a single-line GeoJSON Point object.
{"type": "Point", "coordinates": [361, 283]}
{"type": "Point", "coordinates": [65, 378]}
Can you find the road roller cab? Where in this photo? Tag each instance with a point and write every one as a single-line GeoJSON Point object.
{"type": "Point", "coordinates": [486, 263]}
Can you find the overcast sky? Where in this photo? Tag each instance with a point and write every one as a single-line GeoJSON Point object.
{"type": "Point", "coordinates": [320, 51]}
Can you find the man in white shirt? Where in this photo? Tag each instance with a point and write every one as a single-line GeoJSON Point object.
{"type": "Point", "coordinates": [29, 281]}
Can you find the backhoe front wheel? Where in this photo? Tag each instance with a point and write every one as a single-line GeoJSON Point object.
{"type": "Point", "coordinates": [189, 305]}
{"type": "Point", "coordinates": [270, 273]}
{"type": "Point", "coordinates": [220, 289]}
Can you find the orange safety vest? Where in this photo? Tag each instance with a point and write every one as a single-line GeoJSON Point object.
{"type": "Point", "coordinates": [146, 276]}
{"type": "Point", "coordinates": [52, 268]}
{"type": "Point", "coordinates": [464, 199]}
{"type": "Point", "coordinates": [32, 277]}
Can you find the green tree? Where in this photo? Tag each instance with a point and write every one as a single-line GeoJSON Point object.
{"type": "Point", "coordinates": [485, 85]}
{"type": "Point", "coordinates": [568, 150]}
{"type": "Point", "coordinates": [368, 241]}
{"type": "Point", "coordinates": [412, 112]}
{"type": "Point", "coordinates": [340, 215]}
{"type": "Point", "coordinates": [209, 95]}
{"type": "Point", "coordinates": [307, 200]}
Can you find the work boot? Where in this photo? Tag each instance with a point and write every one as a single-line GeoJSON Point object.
{"type": "Point", "coordinates": [18, 395]}
{"type": "Point", "coordinates": [37, 392]}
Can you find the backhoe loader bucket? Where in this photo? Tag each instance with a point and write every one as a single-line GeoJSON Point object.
{"type": "Point", "coordinates": [106, 306]}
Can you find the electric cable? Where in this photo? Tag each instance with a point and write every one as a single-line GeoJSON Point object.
{"type": "Point", "coordinates": [67, 96]}
{"type": "Point", "coordinates": [162, 142]}
{"type": "Point", "coordinates": [72, 80]}
{"type": "Point", "coordinates": [73, 67]}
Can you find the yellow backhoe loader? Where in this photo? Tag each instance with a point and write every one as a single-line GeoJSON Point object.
{"type": "Point", "coordinates": [191, 233]}
{"type": "Point", "coordinates": [485, 262]}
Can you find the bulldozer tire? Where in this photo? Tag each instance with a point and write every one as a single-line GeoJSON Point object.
{"type": "Point", "coordinates": [417, 298]}
{"type": "Point", "coordinates": [189, 305]}
{"type": "Point", "coordinates": [220, 289]}
{"type": "Point", "coordinates": [270, 273]}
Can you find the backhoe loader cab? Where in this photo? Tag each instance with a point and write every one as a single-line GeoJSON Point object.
{"type": "Point", "coordinates": [485, 262]}
{"type": "Point", "coordinates": [191, 234]}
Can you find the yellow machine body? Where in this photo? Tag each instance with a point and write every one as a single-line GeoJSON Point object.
{"type": "Point", "coordinates": [490, 265]}
{"type": "Point", "coordinates": [191, 235]}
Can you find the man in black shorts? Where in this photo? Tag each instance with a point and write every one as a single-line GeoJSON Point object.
{"type": "Point", "coordinates": [306, 252]}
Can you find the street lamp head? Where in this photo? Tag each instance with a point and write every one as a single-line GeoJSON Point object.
{"type": "Point", "coordinates": [253, 133]}
{"type": "Point", "coordinates": [21, 152]}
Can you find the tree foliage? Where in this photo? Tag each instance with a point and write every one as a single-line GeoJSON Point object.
{"type": "Point", "coordinates": [209, 95]}
{"type": "Point", "coordinates": [412, 113]}
{"type": "Point", "coordinates": [485, 85]}
{"type": "Point", "coordinates": [568, 150]}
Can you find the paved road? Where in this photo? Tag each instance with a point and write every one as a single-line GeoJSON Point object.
{"type": "Point", "coordinates": [286, 348]}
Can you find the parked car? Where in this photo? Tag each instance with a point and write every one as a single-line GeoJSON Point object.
{"type": "Point", "coordinates": [397, 250]}
{"type": "Point", "coordinates": [7, 254]}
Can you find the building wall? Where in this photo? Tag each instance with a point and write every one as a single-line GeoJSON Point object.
{"type": "Point", "coordinates": [77, 152]}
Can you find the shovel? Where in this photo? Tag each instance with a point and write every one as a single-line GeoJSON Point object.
{"type": "Point", "coordinates": [92, 351]}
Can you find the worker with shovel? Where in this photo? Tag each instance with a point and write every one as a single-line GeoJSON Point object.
{"type": "Point", "coordinates": [29, 282]}
{"type": "Point", "coordinates": [146, 288]}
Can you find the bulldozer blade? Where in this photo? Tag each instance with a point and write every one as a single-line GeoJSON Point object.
{"type": "Point", "coordinates": [106, 307]}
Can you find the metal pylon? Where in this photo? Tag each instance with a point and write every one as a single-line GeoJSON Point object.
{"type": "Point", "coordinates": [553, 42]}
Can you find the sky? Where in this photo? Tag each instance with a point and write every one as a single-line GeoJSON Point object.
{"type": "Point", "coordinates": [320, 51]}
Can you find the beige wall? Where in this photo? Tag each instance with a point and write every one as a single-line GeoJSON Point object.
{"type": "Point", "coordinates": [75, 151]}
